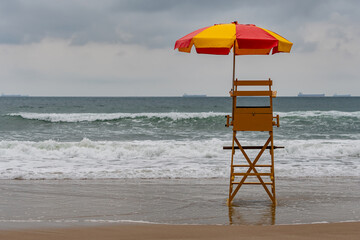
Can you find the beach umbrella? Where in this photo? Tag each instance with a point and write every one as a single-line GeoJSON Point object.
{"type": "Point", "coordinates": [244, 39]}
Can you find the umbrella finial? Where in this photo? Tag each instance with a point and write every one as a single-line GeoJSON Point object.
{"type": "Point", "coordinates": [235, 22]}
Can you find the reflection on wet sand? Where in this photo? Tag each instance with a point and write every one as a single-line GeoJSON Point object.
{"type": "Point", "coordinates": [252, 213]}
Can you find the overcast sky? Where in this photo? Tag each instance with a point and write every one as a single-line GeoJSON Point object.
{"type": "Point", "coordinates": [125, 48]}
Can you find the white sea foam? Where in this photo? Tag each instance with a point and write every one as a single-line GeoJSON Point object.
{"type": "Point", "coordinates": [74, 221]}
{"type": "Point", "coordinates": [319, 158]}
{"type": "Point", "coordinates": [305, 114]}
{"type": "Point", "coordinates": [90, 117]}
{"type": "Point", "coordinates": [167, 159]}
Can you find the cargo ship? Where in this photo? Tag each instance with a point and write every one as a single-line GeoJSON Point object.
{"type": "Point", "coordinates": [341, 95]}
{"type": "Point", "coordinates": [311, 95]}
{"type": "Point", "coordinates": [13, 95]}
{"type": "Point", "coordinates": [190, 95]}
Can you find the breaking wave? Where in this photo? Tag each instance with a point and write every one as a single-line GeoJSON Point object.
{"type": "Point", "coordinates": [309, 114]}
{"type": "Point", "coordinates": [88, 159]}
{"type": "Point", "coordinates": [91, 117]}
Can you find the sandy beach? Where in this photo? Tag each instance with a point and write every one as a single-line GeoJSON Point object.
{"type": "Point", "coordinates": [37, 204]}
{"type": "Point", "coordinates": [327, 231]}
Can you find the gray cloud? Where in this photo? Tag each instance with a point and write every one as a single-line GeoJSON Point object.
{"type": "Point", "coordinates": [113, 45]}
{"type": "Point", "coordinates": [156, 23]}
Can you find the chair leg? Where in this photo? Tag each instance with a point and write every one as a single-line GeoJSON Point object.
{"type": "Point", "coordinates": [252, 168]}
{"type": "Point", "coordinates": [272, 177]}
{"type": "Point", "coordinates": [232, 177]}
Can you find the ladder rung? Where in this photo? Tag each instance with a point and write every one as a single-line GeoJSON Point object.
{"type": "Point", "coordinates": [253, 82]}
{"type": "Point", "coordinates": [252, 174]}
{"type": "Point", "coordinates": [250, 147]}
{"type": "Point", "coordinates": [250, 93]}
{"type": "Point", "coordinates": [254, 166]}
{"type": "Point", "coordinates": [253, 183]}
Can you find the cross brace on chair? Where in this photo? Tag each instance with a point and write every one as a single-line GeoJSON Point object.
{"type": "Point", "coordinates": [251, 169]}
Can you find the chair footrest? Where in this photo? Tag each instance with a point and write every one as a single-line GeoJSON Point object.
{"type": "Point", "coordinates": [253, 183]}
{"type": "Point", "coordinates": [251, 147]}
{"type": "Point", "coordinates": [251, 174]}
{"type": "Point", "coordinates": [247, 166]}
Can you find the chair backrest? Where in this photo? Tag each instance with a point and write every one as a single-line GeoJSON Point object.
{"type": "Point", "coordinates": [253, 83]}
{"type": "Point", "coordinates": [252, 118]}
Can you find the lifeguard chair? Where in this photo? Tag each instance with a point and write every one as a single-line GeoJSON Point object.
{"type": "Point", "coordinates": [252, 118]}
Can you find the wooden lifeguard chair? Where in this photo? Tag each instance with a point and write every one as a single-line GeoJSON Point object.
{"type": "Point", "coordinates": [252, 118]}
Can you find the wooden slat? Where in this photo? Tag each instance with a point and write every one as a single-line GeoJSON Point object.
{"type": "Point", "coordinates": [255, 183]}
{"type": "Point", "coordinates": [253, 83]}
{"type": "Point", "coordinates": [250, 93]}
{"type": "Point", "coordinates": [252, 174]}
{"type": "Point", "coordinates": [251, 110]}
{"type": "Point", "coordinates": [250, 147]}
{"type": "Point", "coordinates": [260, 165]}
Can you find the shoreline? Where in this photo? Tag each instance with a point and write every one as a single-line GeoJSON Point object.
{"type": "Point", "coordinates": [349, 230]}
{"type": "Point", "coordinates": [37, 204]}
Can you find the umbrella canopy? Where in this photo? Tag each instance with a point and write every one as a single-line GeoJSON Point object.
{"type": "Point", "coordinates": [247, 38]}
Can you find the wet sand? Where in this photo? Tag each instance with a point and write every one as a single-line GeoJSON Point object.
{"type": "Point", "coordinates": [80, 203]}
{"type": "Point", "coordinates": [327, 231]}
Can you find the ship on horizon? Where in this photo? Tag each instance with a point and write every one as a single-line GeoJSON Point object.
{"type": "Point", "coordinates": [13, 95]}
{"type": "Point", "coordinates": [342, 95]}
{"type": "Point", "coordinates": [311, 95]}
{"type": "Point", "coordinates": [192, 95]}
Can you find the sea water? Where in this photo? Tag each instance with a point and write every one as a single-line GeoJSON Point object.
{"type": "Point", "coordinates": [169, 137]}
{"type": "Point", "coordinates": [122, 160]}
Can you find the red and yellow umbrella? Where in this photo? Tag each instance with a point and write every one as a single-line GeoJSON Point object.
{"type": "Point", "coordinates": [245, 39]}
{"type": "Point", "coordinates": [248, 39]}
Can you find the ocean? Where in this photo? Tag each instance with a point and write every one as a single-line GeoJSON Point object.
{"type": "Point", "coordinates": [74, 161]}
{"type": "Point", "coordinates": [168, 137]}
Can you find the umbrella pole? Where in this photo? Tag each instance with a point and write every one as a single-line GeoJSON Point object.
{"type": "Point", "coordinates": [234, 132]}
{"type": "Point", "coordinates": [233, 66]}
{"type": "Point", "coordinates": [233, 87]}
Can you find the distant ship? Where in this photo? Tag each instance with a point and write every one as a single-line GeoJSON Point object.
{"type": "Point", "coordinates": [188, 95]}
{"type": "Point", "coordinates": [13, 95]}
{"type": "Point", "coordinates": [311, 95]}
{"type": "Point", "coordinates": [341, 95]}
